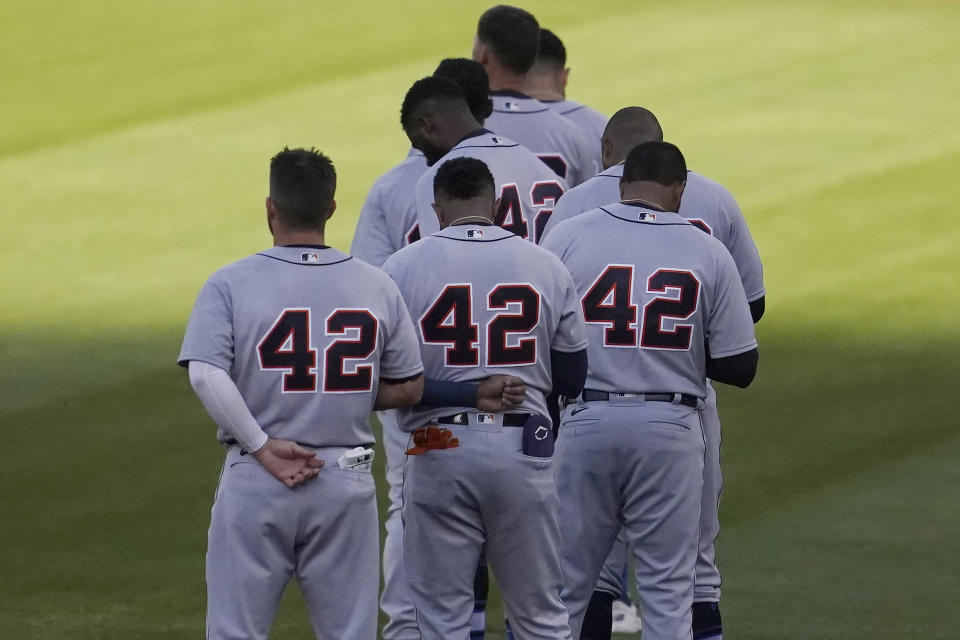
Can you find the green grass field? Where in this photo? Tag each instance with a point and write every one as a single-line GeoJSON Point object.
{"type": "Point", "coordinates": [134, 142]}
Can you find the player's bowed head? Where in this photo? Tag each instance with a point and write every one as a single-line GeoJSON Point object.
{"type": "Point", "coordinates": [654, 174]}
{"type": "Point", "coordinates": [435, 116]}
{"type": "Point", "coordinates": [626, 129]}
{"type": "Point", "coordinates": [302, 185]}
{"type": "Point", "coordinates": [463, 192]}
{"type": "Point", "coordinates": [473, 81]}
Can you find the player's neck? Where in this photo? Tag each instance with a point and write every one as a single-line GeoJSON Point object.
{"type": "Point", "coordinates": [297, 238]}
{"type": "Point", "coordinates": [503, 80]}
{"type": "Point", "coordinates": [543, 89]}
{"type": "Point", "coordinates": [462, 129]}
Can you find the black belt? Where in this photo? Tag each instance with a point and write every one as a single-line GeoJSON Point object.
{"type": "Point", "coordinates": [509, 419]}
{"type": "Point", "coordinates": [687, 400]}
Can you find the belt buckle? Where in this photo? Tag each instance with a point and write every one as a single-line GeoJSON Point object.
{"type": "Point", "coordinates": [626, 395]}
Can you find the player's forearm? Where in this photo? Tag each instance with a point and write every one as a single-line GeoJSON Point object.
{"type": "Point", "coordinates": [222, 400]}
{"type": "Point", "coordinates": [568, 371]}
{"type": "Point", "coordinates": [394, 394]}
{"type": "Point", "coordinates": [757, 307]}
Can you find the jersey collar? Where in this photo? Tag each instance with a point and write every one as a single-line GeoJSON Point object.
{"type": "Point", "coordinates": [636, 212]}
{"type": "Point", "coordinates": [510, 93]}
{"type": "Point", "coordinates": [475, 233]}
{"type": "Point", "coordinates": [306, 255]}
{"type": "Point", "coordinates": [476, 133]}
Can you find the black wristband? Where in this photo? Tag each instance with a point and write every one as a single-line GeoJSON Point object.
{"type": "Point", "coordinates": [442, 393]}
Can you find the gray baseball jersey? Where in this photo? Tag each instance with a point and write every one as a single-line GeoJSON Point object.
{"type": "Point", "coordinates": [485, 302]}
{"type": "Point", "coordinates": [652, 280]}
{"type": "Point", "coordinates": [590, 121]}
{"type": "Point", "coordinates": [305, 333]}
{"type": "Point", "coordinates": [388, 218]}
{"type": "Point", "coordinates": [557, 141]}
{"type": "Point", "coordinates": [528, 190]}
{"type": "Point", "coordinates": [705, 203]}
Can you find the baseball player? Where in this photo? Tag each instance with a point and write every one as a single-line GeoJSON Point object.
{"type": "Point", "coordinates": [506, 45]}
{"type": "Point", "coordinates": [391, 200]}
{"type": "Point", "coordinates": [436, 119]}
{"type": "Point", "coordinates": [485, 302]}
{"type": "Point", "coordinates": [710, 207]}
{"type": "Point", "coordinates": [289, 349]}
{"type": "Point", "coordinates": [664, 308]}
{"type": "Point", "coordinates": [388, 218]}
{"type": "Point", "coordinates": [547, 82]}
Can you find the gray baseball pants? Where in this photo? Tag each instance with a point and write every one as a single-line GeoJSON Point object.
{"type": "Point", "coordinates": [485, 490]}
{"type": "Point", "coordinates": [707, 587]}
{"type": "Point", "coordinates": [263, 533]}
{"type": "Point", "coordinates": [638, 465]}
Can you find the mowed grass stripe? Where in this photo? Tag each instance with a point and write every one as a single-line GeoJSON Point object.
{"type": "Point", "coordinates": [877, 253]}
{"type": "Point", "coordinates": [873, 549]}
{"type": "Point", "coordinates": [120, 63]}
{"type": "Point", "coordinates": [147, 184]}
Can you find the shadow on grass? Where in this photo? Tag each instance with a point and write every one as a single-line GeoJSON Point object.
{"type": "Point", "coordinates": [107, 492]}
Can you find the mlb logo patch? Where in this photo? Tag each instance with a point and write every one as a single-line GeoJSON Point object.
{"type": "Point", "coordinates": [511, 106]}
{"type": "Point", "coordinates": [647, 216]}
{"type": "Point", "coordinates": [310, 257]}
{"type": "Point", "coordinates": [485, 418]}
{"type": "Point", "coordinates": [475, 234]}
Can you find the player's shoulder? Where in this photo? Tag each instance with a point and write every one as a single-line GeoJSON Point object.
{"type": "Point", "coordinates": [570, 107]}
{"type": "Point", "coordinates": [711, 188]}
{"type": "Point", "coordinates": [237, 270]}
{"type": "Point", "coordinates": [404, 173]}
{"type": "Point", "coordinates": [412, 253]}
{"type": "Point", "coordinates": [605, 180]}
{"type": "Point", "coordinates": [571, 228]}
{"type": "Point", "coordinates": [588, 194]}
{"type": "Point", "coordinates": [413, 164]}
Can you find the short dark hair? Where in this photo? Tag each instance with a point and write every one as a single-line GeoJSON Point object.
{"type": "Point", "coordinates": [473, 81]}
{"type": "Point", "coordinates": [551, 49]}
{"type": "Point", "coordinates": [463, 179]}
{"type": "Point", "coordinates": [633, 124]}
{"type": "Point", "coordinates": [429, 88]}
{"type": "Point", "coordinates": [512, 34]}
{"type": "Point", "coordinates": [659, 162]}
{"type": "Point", "coordinates": [302, 185]}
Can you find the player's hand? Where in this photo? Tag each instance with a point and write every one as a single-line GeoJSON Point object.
{"type": "Point", "coordinates": [500, 393]}
{"type": "Point", "coordinates": [288, 462]}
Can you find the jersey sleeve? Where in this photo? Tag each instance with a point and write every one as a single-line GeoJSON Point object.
{"type": "Point", "coordinates": [743, 249]}
{"type": "Point", "coordinates": [371, 239]}
{"type": "Point", "coordinates": [556, 243]}
{"type": "Point", "coordinates": [568, 206]}
{"type": "Point", "coordinates": [571, 332]}
{"type": "Point", "coordinates": [209, 335]}
{"type": "Point", "coordinates": [401, 349]}
{"type": "Point", "coordinates": [729, 324]}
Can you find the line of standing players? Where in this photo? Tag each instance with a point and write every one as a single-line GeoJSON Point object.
{"type": "Point", "coordinates": [557, 293]}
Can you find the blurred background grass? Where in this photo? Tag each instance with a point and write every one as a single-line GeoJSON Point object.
{"type": "Point", "coordinates": [134, 143]}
